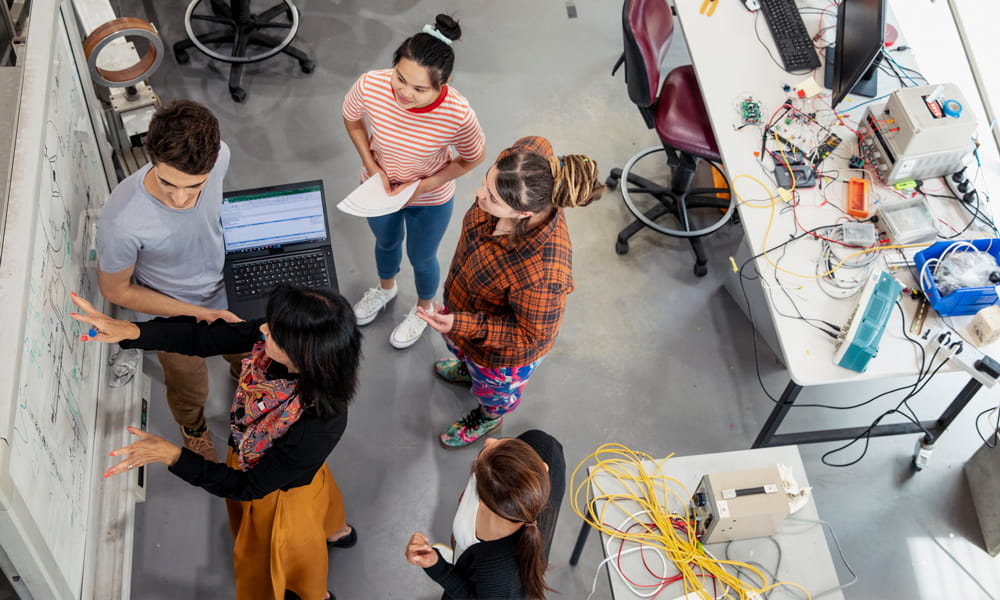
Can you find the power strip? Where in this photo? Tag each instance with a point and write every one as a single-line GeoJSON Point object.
{"type": "Point", "coordinates": [960, 185]}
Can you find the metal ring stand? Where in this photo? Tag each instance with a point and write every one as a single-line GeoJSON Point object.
{"type": "Point", "coordinates": [682, 233]}
{"type": "Point", "coordinates": [189, 14]}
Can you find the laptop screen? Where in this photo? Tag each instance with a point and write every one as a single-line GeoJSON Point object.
{"type": "Point", "coordinates": [270, 218]}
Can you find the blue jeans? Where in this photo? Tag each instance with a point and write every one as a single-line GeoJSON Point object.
{"type": "Point", "coordinates": [423, 227]}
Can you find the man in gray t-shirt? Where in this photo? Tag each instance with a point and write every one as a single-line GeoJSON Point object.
{"type": "Point", "coordinates": [160, 248]}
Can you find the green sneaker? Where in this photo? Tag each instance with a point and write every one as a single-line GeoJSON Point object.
{"type": "Point", "coordinates": [452, 370]}
{"type": "Point", "coordinates": [469, 429]}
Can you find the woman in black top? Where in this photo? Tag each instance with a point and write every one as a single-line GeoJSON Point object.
{"type": "Point", "coordinates": [289, 412]}
{"type": "Point", "coordinates": [520, 484]}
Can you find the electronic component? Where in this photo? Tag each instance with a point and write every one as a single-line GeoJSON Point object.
{"type": "Point", "coordinates": [913, 138]}
{"type": "Point", "coordinates": [859, 340]}
{"type": "Point", "coordinates": [824, 149]}
{"type": "Point", "coordinates": [796, 174]}
{"type": "Point", "coordinates": [797, 153]}
{"type": "Point", "coordinates": [862, 235]}
{"type": "Point", "coordinates": [858, 198]}
{"type": "Point", "coordinates": [749, 111]}
{"type": "Point", "coordinates": [739, 504]}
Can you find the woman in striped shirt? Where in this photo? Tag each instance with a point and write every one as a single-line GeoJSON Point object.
{"type": "Point", "coordinates": [403, 122]}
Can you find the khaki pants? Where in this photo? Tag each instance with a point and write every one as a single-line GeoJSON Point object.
{"type": "Point", "coordinates": [186, 379]}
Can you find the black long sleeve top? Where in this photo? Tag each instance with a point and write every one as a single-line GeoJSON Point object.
{"type": "Point", "coordinates": [291, 461]}
{"type": "Point", "coordinates": [489, 570]}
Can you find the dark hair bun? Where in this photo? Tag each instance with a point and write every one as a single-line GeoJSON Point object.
{"type": "Point", "coordinates": [448, 26]}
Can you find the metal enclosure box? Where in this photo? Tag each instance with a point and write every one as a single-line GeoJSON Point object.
{"type": "Point", "coordinates": [913, 138]}
{"type": "Point", "coordinates": [739, 504]}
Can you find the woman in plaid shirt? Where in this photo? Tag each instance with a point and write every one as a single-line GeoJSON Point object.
{"type": "Point", "coordinates": [506, 289]}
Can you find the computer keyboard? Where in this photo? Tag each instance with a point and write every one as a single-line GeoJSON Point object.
{"type": "Point", "coordinates": [790, 36]}
{"type": "Point", "coordinates": [256, 277]}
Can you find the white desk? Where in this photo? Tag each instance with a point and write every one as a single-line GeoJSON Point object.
{"type": "Point", "coordinates": [805, 553]}
{"type": "Point", "coordinates": [740, 66]}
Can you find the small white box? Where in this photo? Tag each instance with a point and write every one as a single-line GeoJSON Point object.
{"type": "Point", "coordinates": [985, 326]}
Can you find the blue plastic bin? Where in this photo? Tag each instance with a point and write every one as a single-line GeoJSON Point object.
{"type": "Point", "coordinates": [965, 301]}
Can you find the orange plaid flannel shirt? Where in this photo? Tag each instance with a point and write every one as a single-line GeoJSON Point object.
{"type": "Point", "coordinates": [508, 300]}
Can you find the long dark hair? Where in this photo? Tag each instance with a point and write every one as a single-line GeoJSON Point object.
{"type": "Point", "coordinates": [512, 481]}
{"type": "Point", "coordinates": [431, 53]}
{"type": "Point", "coordinates": [527, 181]}
{"type": "Point", "coordinates": [319, 333]}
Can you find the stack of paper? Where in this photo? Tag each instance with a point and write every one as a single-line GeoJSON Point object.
{"type": "Point", "coordinates": [370, 200]}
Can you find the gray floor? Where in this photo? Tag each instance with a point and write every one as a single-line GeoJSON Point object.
{"type": "Point", "coordinates": [648, 355]}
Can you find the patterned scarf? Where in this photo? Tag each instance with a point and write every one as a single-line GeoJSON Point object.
{"type": "Point", "coordinates": [263, 409]}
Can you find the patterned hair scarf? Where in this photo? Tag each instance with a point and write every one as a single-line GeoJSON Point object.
{"type": "Point", "coordinates": [263, 409]}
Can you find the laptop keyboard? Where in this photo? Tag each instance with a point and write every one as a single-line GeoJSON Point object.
{"type": "Point", "coordinates": [259, 277]}
{"type": "Point", "coordinates": [792, 40]}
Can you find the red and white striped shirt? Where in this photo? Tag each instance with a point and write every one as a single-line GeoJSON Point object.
{"type": "Point", "coordinates": [411, 144]}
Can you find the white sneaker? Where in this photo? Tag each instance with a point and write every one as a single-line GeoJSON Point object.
{"type": "Point", "coordinates": [409, 331]}
{"type": "Point", "coordinates": [372, 303]}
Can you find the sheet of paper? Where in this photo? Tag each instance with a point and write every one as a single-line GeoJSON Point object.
{"type": "Point", "coordinates": [370, 200]}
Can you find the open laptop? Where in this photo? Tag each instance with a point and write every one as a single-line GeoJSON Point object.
{"type": "Point", "coordinates": [276, 234]}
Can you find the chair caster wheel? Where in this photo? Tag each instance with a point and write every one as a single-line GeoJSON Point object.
{"type": "Point", "coordinates": [307, 66]}
{"type": "Point", "coordinates": [611, 183]}
{"type": "Point", "coordinates": [621, 247]}
{"type": "Point", "coordinates": [182, 57]}
{"type": "Point", "coordinates": [700, 270]}
{"type": "Point", "coordinates": [238, 94]}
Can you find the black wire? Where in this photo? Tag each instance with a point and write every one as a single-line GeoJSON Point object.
{"type": "Point", "coordinates": [746, 299]}
{"type": "Point", "coordinates": [921, 382]}
{"type": "Point", "coordinates": [996, 428]}
{"type": "Point", "coordinates": [832, 332]}
{"type": "Point", "coordinates": [977, 214]}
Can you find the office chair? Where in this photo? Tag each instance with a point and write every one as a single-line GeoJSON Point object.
{"type": "Point", "coordinates": [242, 29]}
{"type": "Point", "coordinates": [677, 112]}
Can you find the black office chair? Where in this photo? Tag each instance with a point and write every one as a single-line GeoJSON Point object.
{"type": "Point", "coordinates": [242, 30]}
{"type": "Point", "coordinates": [677, 112]}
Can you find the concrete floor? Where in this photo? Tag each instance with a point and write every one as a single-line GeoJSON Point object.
{"type": "Point", "coordinates": [648, 355]}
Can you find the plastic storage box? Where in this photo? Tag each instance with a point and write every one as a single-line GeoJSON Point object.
{"type": "Point", "coordinates": [966, 301]}
{"type": "Point", "coordinates": [908, 221]}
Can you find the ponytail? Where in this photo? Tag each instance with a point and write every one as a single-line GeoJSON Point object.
{"type": "Point", "coordinates": [531, 561]}
{"type": "Point", "coordinates": [577, 181]}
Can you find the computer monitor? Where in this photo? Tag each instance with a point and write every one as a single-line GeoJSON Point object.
{"type": "Point", "coordinates": [855, 54]}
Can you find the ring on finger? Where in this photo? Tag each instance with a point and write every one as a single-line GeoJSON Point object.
{"type": "Point", "coordinates": [130, 466]}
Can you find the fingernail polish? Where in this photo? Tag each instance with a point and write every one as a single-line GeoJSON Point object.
{"type": "Point", "coordinates": [83, 338]}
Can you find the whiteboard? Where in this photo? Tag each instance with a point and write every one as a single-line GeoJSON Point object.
{"type": "Point", "coordinates": [53, 446]}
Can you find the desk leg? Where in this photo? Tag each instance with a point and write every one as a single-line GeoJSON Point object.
{"type": "Point", "coordinates": [777, 415]}
{"type": "Point", "coordinates": [581, 540]}
{"type": "Point", "coordinates": [961, 400]}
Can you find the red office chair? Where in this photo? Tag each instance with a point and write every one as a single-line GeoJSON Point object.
{"type": "Point", "coordinates": [677, 112]}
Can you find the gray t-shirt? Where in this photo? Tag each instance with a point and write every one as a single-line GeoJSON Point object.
{"type": "Point", "coordinates": [178, 253]}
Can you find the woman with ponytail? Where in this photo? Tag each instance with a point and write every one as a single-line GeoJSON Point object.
{"type": "Point", "coordinates": [505, 522]}
{"type": "Point", "coordinates": [506, 289]}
